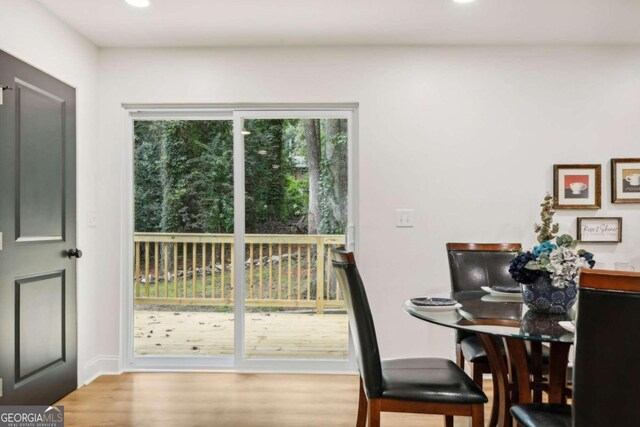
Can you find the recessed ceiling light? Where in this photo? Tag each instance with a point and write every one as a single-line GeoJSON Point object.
{"type": "Point", "coordinates": [464, 1]}
{"type": "Point", "coordinates": [138, 3]}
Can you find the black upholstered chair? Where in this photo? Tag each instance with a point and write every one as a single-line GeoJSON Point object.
{"type": "Point", "coordinates": [473, 265]}
{"type": "Point", "coordinates": [420, 385]}
{"type": "Point", "coordinates": [606, 374]}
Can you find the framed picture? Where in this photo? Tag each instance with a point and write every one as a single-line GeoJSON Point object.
{"type": "Point", "coordinates": [577, 186]}
{"type": "Point", "coordinates": [600, 230]}
{"type": "Point", "coordinates": [625, 180]}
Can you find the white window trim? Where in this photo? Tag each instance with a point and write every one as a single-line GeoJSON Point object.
{"type": "Point", "coordinates": [237, 112]}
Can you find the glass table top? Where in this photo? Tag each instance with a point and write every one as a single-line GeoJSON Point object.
{"type": "Point", "coordinates": [481, 312]}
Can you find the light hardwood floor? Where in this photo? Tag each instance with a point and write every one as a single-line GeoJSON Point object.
{"type": "Point", "coordinates": [227, 399]}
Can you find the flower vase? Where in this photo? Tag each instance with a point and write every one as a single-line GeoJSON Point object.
{"type": "Point", "coordinates": [542, 297]}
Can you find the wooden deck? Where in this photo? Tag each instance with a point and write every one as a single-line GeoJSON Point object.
{"type": "Point", "coordinates": [274, 335]}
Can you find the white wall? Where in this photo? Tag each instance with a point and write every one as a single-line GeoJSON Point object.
{"type": "Point", "coordinates": [30, 33]}
{"type": "Point", "coordinates": [465, 136]}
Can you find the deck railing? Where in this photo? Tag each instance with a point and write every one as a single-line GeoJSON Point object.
{"type": "Point", "coordinates": [197, 269]}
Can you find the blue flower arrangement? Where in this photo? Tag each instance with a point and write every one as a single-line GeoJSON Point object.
{"type": "Point", "coordinates": [560, 261]}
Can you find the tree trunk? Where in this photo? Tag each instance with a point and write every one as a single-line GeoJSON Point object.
{"type": "Point", "coordinates": [165, 182]}
{"type": "Point", "coordinates": [312, 139]}
{"type": "Point", "coordinates": [337, 170]}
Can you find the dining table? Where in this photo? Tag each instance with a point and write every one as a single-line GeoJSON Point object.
{"type": "Point", "coordinates": [512, 337]}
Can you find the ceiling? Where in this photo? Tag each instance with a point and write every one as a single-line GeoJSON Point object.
{"type": "Point", "coordinates": [178, 23]}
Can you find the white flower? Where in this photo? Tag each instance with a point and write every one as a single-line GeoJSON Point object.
{"type": "Point", "coordinates": [564, 265]}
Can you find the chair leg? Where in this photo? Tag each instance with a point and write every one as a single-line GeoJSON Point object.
{"type": "Point", "coordinates": [536, 368]}
{"type": "Point", "coordinates": [448, 421]}
{"type": "Point", "coordinates": [495, 406]}
{"type": "Point", "coordinates": [476, 374]}
{"type": "Point", "coordinates": [477, 415]}
{"type": "Point", "coordinates": [373, 415]}
{"type": "Point", "coordinates": [459, 357]}
{"type": "Point", "coordinates": [362, 407]}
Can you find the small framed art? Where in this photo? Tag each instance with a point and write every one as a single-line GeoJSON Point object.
{"type": "Point", "coordinates": [577, 186]}
{"type": "Point", "coordinates": [625, 180]}
{"type": "Point", "coordinates": [600, 230]}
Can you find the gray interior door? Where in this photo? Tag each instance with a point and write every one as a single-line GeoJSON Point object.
{"type": "Point", "coordinates": [37, 222]}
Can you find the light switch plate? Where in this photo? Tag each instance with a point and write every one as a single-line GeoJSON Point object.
{"type": "Point", "coordinates": [0, 241]}
{"type": "Point", "coordinates": [1, 388]}
{"type": "Point", "coordinates": [404, 218]}
{"type": "Point", "coordinates": [91, 218]}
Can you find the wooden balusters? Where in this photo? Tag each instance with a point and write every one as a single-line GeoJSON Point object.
{"type": "Point", "coordinates": [232, 273]}
{"type": "Point", "coordinates": [320, 277]}
{"type": "Point", "coordinates": [289, 271]}
{"type": "Point", "coordinates": [279, 270]}
{"type": "Point", "coordinates": [194, 264]}
{"type": "Point", "coordinates": [156, 274]}
{"type": "Point", "coordinates": [299, 271]}
{"type": "Point", "coordinates": [137, 269]}
{"type": "Point", "coordinates": [165, 247]}
{"type": "Point", "coordinates": [270, 271]}
{"type": "Point", "coordinates": [175, 270]}
{"type": "Point", "coordinates": [184, 269]}
{"type": "Point", "coordinates": [204, 271]}
{"type": "Point", "coordinates": [146, 268]}
{"type": "Point", "coordinates": [296, 265]}
{"type": "Point", "coordinates": [213, 270]}
{"type": "Point", "coordinates": [308, 271]}
{"type": "Point", "coordinates": [222, 286]}
{"type": "Point", "coordinates": [260, 272]}
{"type": "Point", "coordinates": [251, 270]}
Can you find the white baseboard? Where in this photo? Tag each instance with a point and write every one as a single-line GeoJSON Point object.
{"type": "Point", "coordinates": [100, 365]}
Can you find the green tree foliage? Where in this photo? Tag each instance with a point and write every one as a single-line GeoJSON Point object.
{"type": "Point", "coordinates": [184, 176]}
{"type": "Point", "coordinates": [188, 185]}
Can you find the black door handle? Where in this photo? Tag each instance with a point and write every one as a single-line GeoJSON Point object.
{"type": "Point", "coordinates": [77, 253]}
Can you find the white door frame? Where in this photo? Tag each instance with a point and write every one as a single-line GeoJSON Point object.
{"type": "Point", "coordinates": [130, 362]}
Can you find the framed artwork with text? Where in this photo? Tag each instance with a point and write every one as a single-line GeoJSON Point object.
{"type": "Point", "coordinates": [625, 180]}
{"type": "Point", "coordinates": [577, 186]}
{"type": "Point", "coordinates": [600, 230]}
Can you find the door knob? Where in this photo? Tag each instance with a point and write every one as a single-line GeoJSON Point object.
{"type": "Point", "coordinates": [77, 253]}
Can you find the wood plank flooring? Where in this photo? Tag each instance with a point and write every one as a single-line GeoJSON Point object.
{"type": "Point", "coordinates": [228, 399]}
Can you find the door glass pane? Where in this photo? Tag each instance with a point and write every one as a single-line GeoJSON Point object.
{"type": "Point", "coordinates": [183, 273]}
{"type": "Point", "coordinates": [296, 185]}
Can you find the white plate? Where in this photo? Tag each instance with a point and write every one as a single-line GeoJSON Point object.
{"type": "Point", "coordinates": [435, 307]}
{"type": "Point", "coordinates": [567, 326]}
{"type": "Point", "coordinates": [501, 294]}
{"type": "Point", "coordinates": [502, 298]}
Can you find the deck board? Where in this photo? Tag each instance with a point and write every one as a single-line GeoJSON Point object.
{"type": "Point", "coordinates": [274, 335]}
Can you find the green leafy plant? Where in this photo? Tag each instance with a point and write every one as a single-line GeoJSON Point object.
{"type": "Point", "coordinates": [547, 229]}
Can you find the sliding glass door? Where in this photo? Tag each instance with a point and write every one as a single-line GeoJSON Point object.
{"type": "Point", "coordinates": [183, 237]}
{"type": "Point", "coordinates": [296, 176]}
{"type": "Point", "coordinates": [235, 213]}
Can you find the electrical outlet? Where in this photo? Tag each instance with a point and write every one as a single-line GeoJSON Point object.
{"type": "Point", "coordinates": [404, 217]}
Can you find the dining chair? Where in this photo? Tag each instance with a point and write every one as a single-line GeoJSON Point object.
{"type": "Point", "coordinates": [606, 373]}
{"type": "Point", "coordinates": [417, 385]}
{"type": "Point", "coordinates": [472, 266]}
